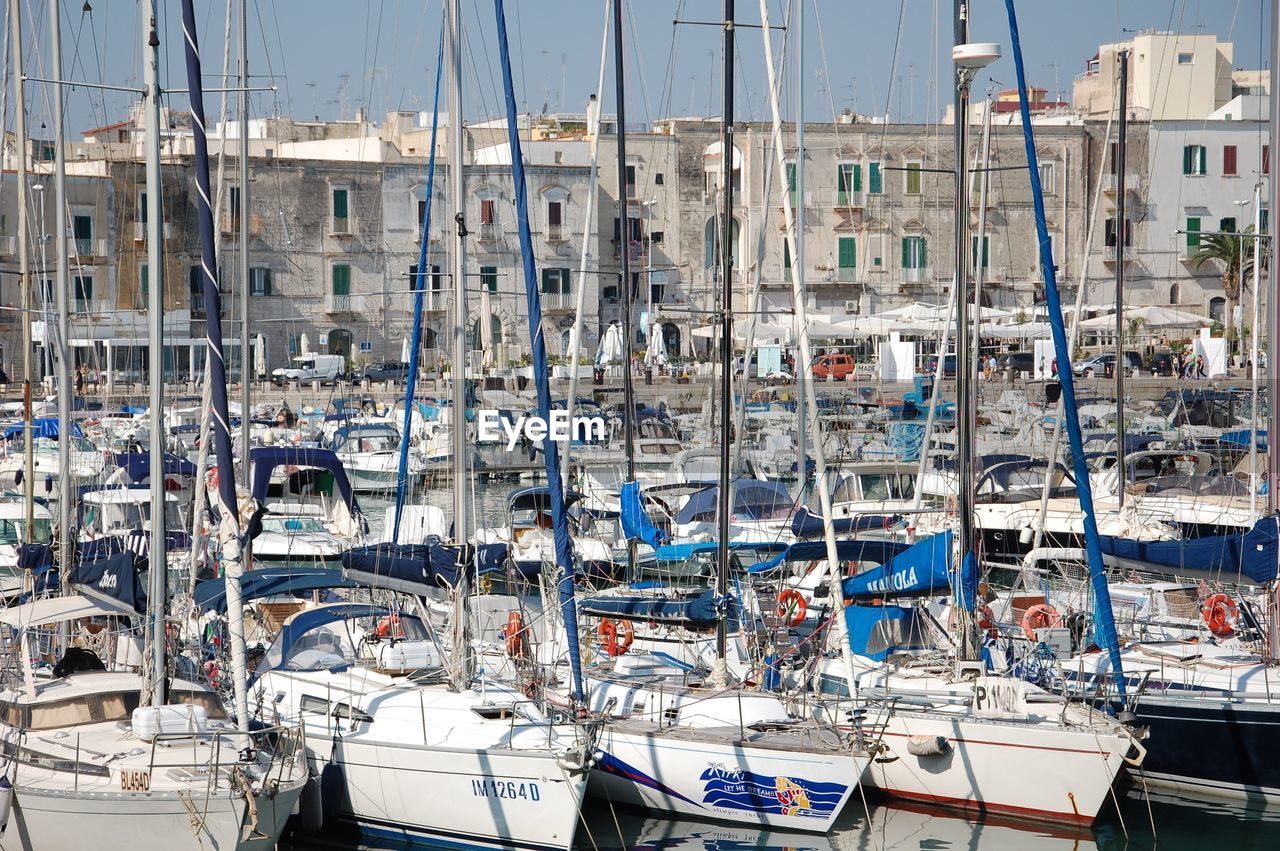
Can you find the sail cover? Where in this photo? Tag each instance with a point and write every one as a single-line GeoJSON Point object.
{"type": "Point", "coordinates": [411, 568]}
{"type": "Point", "coordinates": [700, 611]}
{"type": "Point", "coordinates": [636, 523]}
{"type": "Point", "coordinates": [920, 569]}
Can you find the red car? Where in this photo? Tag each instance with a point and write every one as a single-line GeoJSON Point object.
{"type": "Point", "coordinates": [838, 367]}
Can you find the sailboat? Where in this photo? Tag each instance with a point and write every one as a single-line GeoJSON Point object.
{"type": "Point", "coordinates": [116, 754]}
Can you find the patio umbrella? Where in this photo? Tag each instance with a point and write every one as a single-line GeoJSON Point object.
{"type": "Point", "coordinates": [612, 346]}
{"type": "Point", "coordinates": [260, 355]}
{"type": "Point", "coordinates": [657, 353]}
{"type": "Point", "coordinates": [486, 329]}
{"type": "Point", "coordinates": [304, 344]}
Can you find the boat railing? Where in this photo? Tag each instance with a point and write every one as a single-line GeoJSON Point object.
{"type": "Point", "coordinates": [286, 744]}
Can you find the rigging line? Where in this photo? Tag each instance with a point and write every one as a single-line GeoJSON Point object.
{"type": "Point", "coordinates": [417, 40]}
{"type": "Point", "coordinates": [665, 106]}
{"type": "Point", "coordinates": [288, 94]}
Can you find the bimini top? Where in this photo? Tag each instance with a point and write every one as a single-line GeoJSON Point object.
{"type": "Point", "coordinates": [40, 427]}
{"type": "Point", "coordinates": [753, 499]}
{"type": "Point", "coordinates": [538, 498]}
{"type": "Point", "coordinates": [306, 643]}
{"type": "Point", "coordinates": [211, 594]}
{"type": "Point", "coordinates": [53, 610]}
{"type": "Point", "coordinates": [265, 460]}
{"type": "Point", "coordinates": [137, 465]}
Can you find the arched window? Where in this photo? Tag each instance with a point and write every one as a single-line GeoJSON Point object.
{"type": "Point", "coordinates": [340, 343]}
{"type": "Point", "coordinates": [1217, 308]}
{"type": "Point", "coordinates": [711, 234]}
{"type": "Point", "coordinates": [671, 336]}
{"type": "Point", "coordinates": [1174, 293]}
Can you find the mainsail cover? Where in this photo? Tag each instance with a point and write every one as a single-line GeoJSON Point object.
{"type": "Point", "coordinates": [919, 570]}
{"type": "Point", "coordinates": [636, 523]}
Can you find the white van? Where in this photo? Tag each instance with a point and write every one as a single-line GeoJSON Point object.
{"type": "Point", "coordinates": [310, 368]}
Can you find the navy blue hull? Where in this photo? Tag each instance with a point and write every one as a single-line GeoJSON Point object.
{"type": "Point", "coordinates": [1210, 746]}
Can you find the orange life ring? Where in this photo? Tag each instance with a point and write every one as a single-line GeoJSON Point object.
{"type": "Point", "coordinates": [516, 636]}
{"type": "Point", "coordinates": [616, 636]}
{"type": "Point", "coordinates": [1039, 616]}
{"type": "Point", "coordinates": [792, 607]}
{"type": "Point", "coordinates": [1220, 613]}
{"type": "Point", "coordinates": [390, 627]}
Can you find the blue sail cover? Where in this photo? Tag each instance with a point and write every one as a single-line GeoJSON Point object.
{"type": "Point", "coordinates": [112, 580]}
{"type": "Point", "coordinates": [40, 427]}
{"type": "Point", "coordinates": [211, 594]}
{"type": "Point", "coordinates": [806, 524]}
{"type": "Point", "coordinates": [636, 523]}
{"type": "Point", "coordinates": [878, 550]}
{"type": "Point", "coordinates": [703, 610]}
{"type": "Point", "coordinates": [411, 568]}
{"type": "Point", "coordinates": [1104, 616]}
{"type": "Point", "coordinates": [919, 570]}
{"type": "Point", "coordinates": [1215, 557]}
{"type": "Point", "coordinates": [1261, 550]}
{"type": "Point", "coordinates": [265, 460]}
{"type": "Point", "coordinates": [541, 373]}
{"type": "Point", "coordinates": [752, 500]}
{"type": "Point", "coordinates": [138, 465]}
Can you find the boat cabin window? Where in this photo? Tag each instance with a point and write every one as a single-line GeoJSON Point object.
{"type": "Point", "coordinates": [885, 486]}
{"type": "Point", "coordinates": [292, 525]}
{"type": "Point", "coordinates": [339, 642]}
{"type": "Point", "coordinates": [833, 686]}
{"type": "Point", "coordinates": [11, 531]}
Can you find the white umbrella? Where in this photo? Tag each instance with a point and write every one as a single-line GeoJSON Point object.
{"type": "Point", "coordinates": [657, 353]}
{"type": "Point", "coordinates": [405, 350]}
{"type": "Point", "coordinates": [260, 354]}
{"type": "Point", "coordinates": [304, 344]}
{"type": "Point", "coordinates": [612, 346]}
{"type": "Point", "coordinates": [1023, 331]}
{"type": "Point", "coordinates": [486, 329]}
{"type": "Point", "coordinates": [1153, 316]}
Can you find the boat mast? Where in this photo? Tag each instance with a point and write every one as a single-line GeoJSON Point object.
{"type": "Point", "coordinates": [726, 323]}
{"type": "Point", "coordinates": [966, 365]}
{"type": "Point", "coordinates": [1122, 234]}
{"type": "Point", "coordinates": [244, 245]}
{"type": "Point", "coordinates": [157, 593]}
{"type": "Point", "coordinates": [1273, 329]}
{"type": "Point", "coordinates": [457, 180]}
{"type": "Point", "coordinates": [624, 266]}
{"type": "Point", "coordinates": [24, 268]}
{"type": "Point", "coordinates": [61, 297]}
{"type": "Point", "coordinates": [802, 451]}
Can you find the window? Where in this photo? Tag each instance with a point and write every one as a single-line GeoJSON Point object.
{"type": "Point", "coordinates": [341, 278]}
{"type": "Point", "coordinates": [486, 211]}
{"type": "Point", "coordinates": [875, 179]}
{"type": "Point", "coordinates": [848, 182]}
{"type": "Point", "coordinates": [913, 178]}
{"type": "Point", "coordinates": [875, 249]}
{"type": "Point", "coordinates": [46, 291]}
{"type": "Point", "coordinates": [1227, 224]}
{"type": "Point", "coordinates": [260, 281]}
{"type": "Point", "coordinates": [82, 287]}
{"type": "Point", "coordinates": [847, 257]}
{"type": "Point", "coordinates": [1128, 231]}
{"type": "Point", "coordinates": [555, 212]}
{"type": "Point", "coordinates": [656, 237]}
{"type": "Point", "coordinates": [144, 285]}
{"type": "Point", "coordinates": [489, 278]}
{"type": "Point", "coordinates": [417, 282]}
{"type": "Point", "coordinates": [1266, 159]}
{"type": "Point", "coordinates": [914, 252]}
{"type": "Point", "coordinates": [422, 213]}
{"type": "Point", "coordinates": [142, 208]}
{"type": "Point", "coordinates": [973, 252]}
{"type": "Point", "coordinates": [195, 288]}
{"type": "Point", "coordinates": [1113, 157]}
{"type": "Point", "coordinates": [786, 260]}
{"type": "Point", "coordinates": [1217, 308]}
{"type": "Point", "coordinates": [712, 243]}
{"type": "Point", "coordinates": [555, 288]}
{"type": "Point", "coordinates": [791, 181]}
{"type": "Point", "coordinates": [233, 208]}
{"type": "Point", "coordinates": [631, 181]}
{"type": "Point", "coordinates": [1263, 219]}
{"type": "Point", "coordinates": [1193, 159]}
{"type": "Point", "coordinates": [658, 179]}
{"type": "Point", "coordinates": [1049, 178]}
{"type": "Point", "coordinates": [82, 232]}
{"type": "Point", "coordinates": [1229, 160]}
{"type": "Point", "coordinates": [1193, 232]}
{"type": "Point", "coordinates": [1185, 58]}
{"type": "Point", "coordinates": [341, 211]}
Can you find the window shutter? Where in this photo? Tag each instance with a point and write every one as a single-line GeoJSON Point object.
{"type": "Point", "coordinates": [546, 280]}
{"type": "Point", "coordinates": [1187, 153]}
{"type": "Point", "coordinates": [339, 203]}
{"type": "Point", "coordinates": [876, 179]}
{"type": "Point", "coordinates": [1229, 159]}
{"type": "Point", "coordinates": [842, 178]}
{"type": "Point", "coordinates": [923, 253]}
{"type": "Point", "coordinates": [1193, 231]}
{"type": "Point", "coordinates": [564, 280]}
{"type": "Point", "coordinates": [144, 272]}
{"type": "Point", "coordinates": [906, 252]}
{"type": "Point", "coordinates": [857, 177]}
{"type": "Point", "coordinates": [341, 280]}
{"type": "Point", "coordinates": [791, 176]}
{"type": "Point", "coordinates": [1266, 159]}
{"type": "Point", "coordinates": [266, 281]}
{"type": "Point", "coordinates": [847, 252]}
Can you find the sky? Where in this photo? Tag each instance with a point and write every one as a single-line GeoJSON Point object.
{"type": "Point", "coordinates": [327, 58]}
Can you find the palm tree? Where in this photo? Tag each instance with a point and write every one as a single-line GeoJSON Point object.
{"type": "Point", "coordinates": [1224, 249]}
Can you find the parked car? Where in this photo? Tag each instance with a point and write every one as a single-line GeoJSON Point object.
{"type": "Point", "coordinates": [311, 368]}
{"type": "Point", "coordinates": [948, 366]}
{"type": "Point", "coordinates": [1015, 363]}
{"type": "Point", "coordinates": [1098, 365]}
{"type": "Point", "coordinates": [838, 367]}
{"type": "Point", "coordinates": [1161, 363]}
{"type": "Point", "coordinates": [384, 371]}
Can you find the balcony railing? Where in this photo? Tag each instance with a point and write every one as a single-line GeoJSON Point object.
{"type": "Point", "coordinates": [335, 303]}
{"type": "Point", "coordinates": [433, 301]}
{"type": "Point", "coordinates": [851, 198]}
{"type": "Point", "coordinates": [916, 275]}
{"type": "Point", "coordinates": [140, 231]}
{"type": "Point", "coordinates": [340, 226]}
{"type": "Point", "coordinates": [86, 248]}
{"type": "Point", "coordinates": [8, 246]}
{"type": "Point", "coordinates": [555, 233]}
{"type": "Point", "coordinates": [557, 301]}
{"type": "Point", "coordinates": [488, 230]}
{"type": "Point", "coordinates": [846, 274]}
{"type": "Point", "coordinates": [1132, 183]}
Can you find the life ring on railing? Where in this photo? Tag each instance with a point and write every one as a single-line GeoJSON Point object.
{"type": "Point", "coordinates": [792, 608]}
{"type": "Point", "coordinates": [616, 636]}
{"type": "Point", "coordinates": [390, 627]}
{"type": "Point", "coordinates": [1220, 613]}
{"type": "Point", "coordinates": [516, 637]}
{"type": "Point", "coordinates": [1039, 616]}
{"type": "Point", "coordinates": [987, 621]}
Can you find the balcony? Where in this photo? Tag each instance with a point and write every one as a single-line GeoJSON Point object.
{"type": "Point", "coordinates": [140, 231]}
{"type": "Point", "coordinates": [335, 303]}
{"type": "Point", "coordinates": [341, 226]}
{"type": "Point", "coordinates": [8, 246]}
{"type": "Point", "coordinates": [488, 231]}
{"type": "Point", "coordinates": [557, 301]}
{"type": "Point", "coordinates": [917, 275]}
{"type": "Point", "coordinates": [853, 199]}
{"type": "Point", "coordinates": [87, 249]}
{"type": "Point", "coordinates": [555, 233]}
{"type": "Point", "coordinates": [1132, 183]}
{"type": "Point", "coordinates": [846, 274]}
{"type": "Point", "coordinates": [433, 301]}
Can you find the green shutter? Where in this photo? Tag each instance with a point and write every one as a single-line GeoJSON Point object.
{"type": "Point", "coordinates": [83, 227]}
{"type": "Point", "coordinates": [857, 177]}
{"type": "Point", "coordinates": [913, 179]}
{"type": "Point", "coordinates": [848, 252]}
{"type": "Point", "coordinates": [489, 278]}
{"type": "Point", "coordinates": [265, 274]}
{"type": "Point", "coordinates": [842, 183]}
{"type": "Point", "coordinates": [339, 203]}
{"type": "Point", "coordinates": [923, 253]}
{"type": "Point", "coordinates": [84, 288]}
{"type": "Point", "coordinates": [791, 176]}
{"type": "Point", "coordinates": [142, 207]}
{"type": "Point", "coordinates": [875, 179]}
{"type": "Point", "coordinates": [144, 273]}
{"type": "Point", "coordinates": [546, 280]}
{"type": "Point", "coordinates": [906, 252]}
{"type": "Point", "coordinates": [564, 280]}
{"type": "Point", "coordinates": [1187, 153]}
{"type": "Point", "coordinates": [341, 280]}
{"type": "Point", "coordinates": [1193, 231]}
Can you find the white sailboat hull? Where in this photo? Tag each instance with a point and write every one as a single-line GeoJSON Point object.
{"type": "Point", "coordinates": [721, 775]}
{"type": "Point", "coordinates": [497, 798]}
{"type": "Point", "coordinates": [46, 819]}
